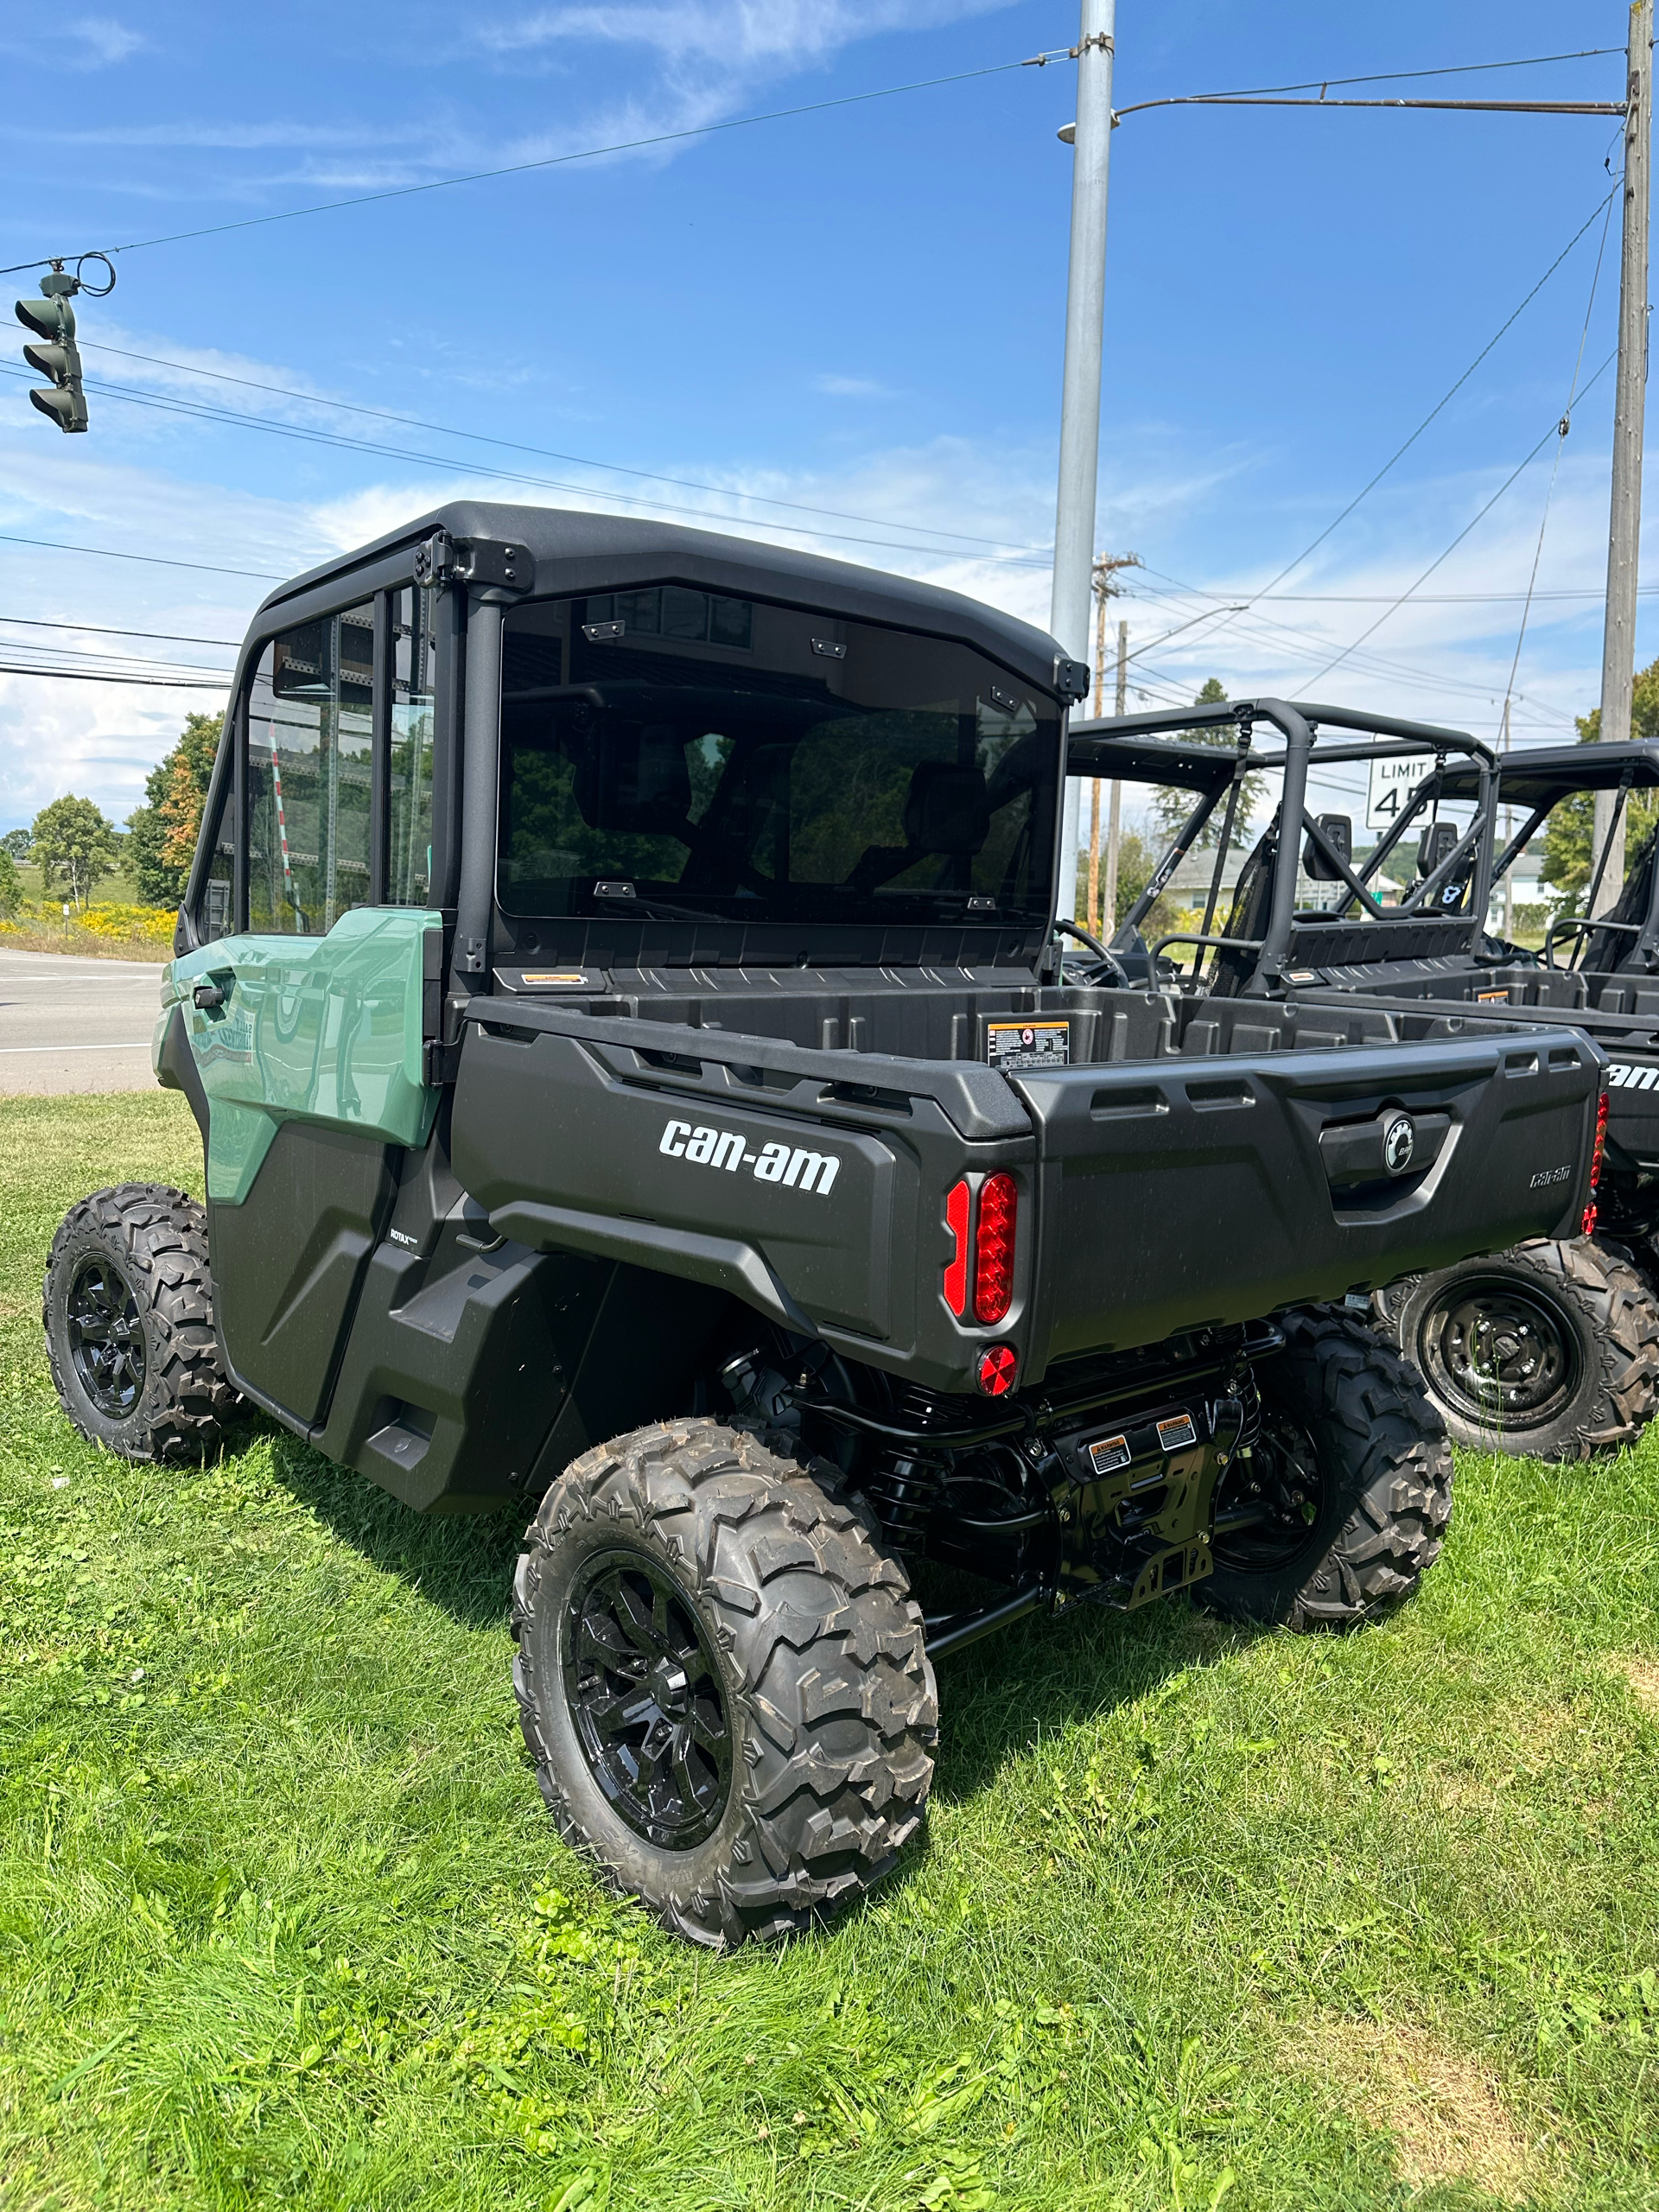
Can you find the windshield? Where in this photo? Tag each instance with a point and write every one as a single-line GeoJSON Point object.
{"type": "Point", "coordinates": [680, 753]}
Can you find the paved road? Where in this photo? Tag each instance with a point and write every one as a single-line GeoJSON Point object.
{"type": "Point", "coordinates": [69, 1024]}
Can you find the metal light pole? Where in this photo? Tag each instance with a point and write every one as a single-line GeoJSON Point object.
{"type": "Point", "coordinates": [1619, 635]}
{"type": "Point", "coordinates": [1085, 307]}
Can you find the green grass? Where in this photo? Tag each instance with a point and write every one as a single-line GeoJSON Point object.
{"type": "Point", "coordinates": [282, 1920]}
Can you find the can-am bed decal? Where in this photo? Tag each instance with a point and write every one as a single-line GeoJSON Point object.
{"type": "Point", "coordinates": [792, 1165]}
{"type": "Point", "coordinates": [1622, 1076]}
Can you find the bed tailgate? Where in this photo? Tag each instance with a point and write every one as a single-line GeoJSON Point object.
{"type": "Point", "coordinates": [1173, 1195]}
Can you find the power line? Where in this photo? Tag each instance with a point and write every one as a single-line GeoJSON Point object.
{"type": "Point", "coordinates": [105, 659]}
{"type": "Point", "coordinates": [544, 453]}
{"type": "Point", "coordinates": [1266, 634]}
{"type": "Point", "coordinates": [1461, 534]}
{"type": "Point", "coordinates": [1385, 77]}
{"type": "Point", "coordinates": [152, 560]}
{"type": "Point", "coordinates": [92, 676]}
{"type": "Point", "coordinates": [197, 410]}
{"type": "Point", "coordinates": [1444, 400]}
{"type": "Point", "coordinates": [1385, 598]}
{"type": "Point", "coordinates": [104, 630]}
{"type": "Point", "coordinates": [1560, 440]}
{"type": "Point", "coordinates": [548, 162]}
{"type": "Point", "coordinates": [1461, 107]}
{"type": "Point", "coordinates": [746, 122]}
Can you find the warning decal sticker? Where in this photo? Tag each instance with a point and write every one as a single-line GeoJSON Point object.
{"type": "Point", "coordinates": [1010, 1045]}
{"type": "Point", "coordinates": [1109, 1454]}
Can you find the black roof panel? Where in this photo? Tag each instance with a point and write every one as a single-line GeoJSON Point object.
{"type": "Point", "coordinates": [1541, 775]}
{"type": "Point", "coordinates": [576, 551]}
{"type": "Point", "coordinates": [1091, 750]}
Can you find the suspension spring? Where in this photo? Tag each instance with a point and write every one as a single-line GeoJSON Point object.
{"type": "Point", "coordinates": [904, 1490]}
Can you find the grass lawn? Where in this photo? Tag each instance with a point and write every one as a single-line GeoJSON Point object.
{"type": "Point", "coordinates": [1198, 1916]}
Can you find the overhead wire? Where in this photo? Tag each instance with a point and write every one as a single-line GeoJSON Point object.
{"type": "Point", "coordinates": [97, 676]}
{"type": "Point", "coordinates": [150, 560]}
{"type": "Point", "coordinates": [1401, 76]}
{"type": "Point", "coordinates": [1555, 468]}
{"type": "Point", "coordinates": [1263, 630]}
{"type": "Point", "coordinates": [1440, 405]}
{"type": "Point", "coordinates": [544, 453]}
{"type": "Point", "coordinates": [104, 630]}
{"type": "Point", "coordinates": [545, 162]}
{"type": "Point", "coordinates": [735, 123]}
{"type": "Point", "coordinates": [1518, 471]}
{"type": "Point", "coordinates": [235, 418]}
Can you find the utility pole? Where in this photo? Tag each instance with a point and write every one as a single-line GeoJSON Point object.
{"type": "Point", "coordinates": [1085, 308]}
{"type": "Point", "coordinates": [1619, 635]}
{"type": "Point", "coordinates": [1104, 582]}
{"type": "Point", "coordinates": [1115, 827]}
{"type": "Point", "coordinates": [1509, 831]}
{"type": "Point", "coordinates": [1090, 921]}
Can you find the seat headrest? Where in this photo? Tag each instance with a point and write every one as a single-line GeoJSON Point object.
{"type": "Point", "coordinates": [946, 809]}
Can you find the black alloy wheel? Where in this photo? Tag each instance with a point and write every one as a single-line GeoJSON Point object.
{"type": "Point", "coordinates": [1499, 1354]}
{"type": "Point", "coordinates": [106, 1336]}
{"type": "Point", "coordinates": [1550, 1349]}
{"type": "Point", "coordinates": [646, 1699]}
{"type": "Point", "coordinates": [722, 1681]}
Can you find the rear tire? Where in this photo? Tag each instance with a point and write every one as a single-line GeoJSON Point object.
{"type": "Point", "coordinates": [1550, 1350]}
{"type": "Point", "coordinates": [128, 1310]}
{"type": "Point", "coordinates": [1349, 1487]}
{"type": "Point", "coordinates": [723, 1683]}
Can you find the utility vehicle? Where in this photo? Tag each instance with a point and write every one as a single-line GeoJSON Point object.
{"type": "Point", "coordinates": [618, 990]}
{"type": "Point", "coordinates": [1552, 1347]}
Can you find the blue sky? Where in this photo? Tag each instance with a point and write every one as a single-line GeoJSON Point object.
{"type": "Point", "coordinates": [859, 310]}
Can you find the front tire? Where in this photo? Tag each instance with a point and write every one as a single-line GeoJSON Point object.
{"type": "Point", "coordinates": [1342, 1506]}
{"type": "Point", "coordinates": [1550, 1350]}
{"type": "Point", "coordinates": [128, 1310]}
{"type": "Point", "coordinates": [722, 1682]}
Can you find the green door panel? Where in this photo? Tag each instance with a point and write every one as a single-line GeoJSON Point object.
{"type": "Point", "coordinates": [323, 1029]}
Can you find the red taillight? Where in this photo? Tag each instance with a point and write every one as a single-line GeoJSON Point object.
{"type": "Point", "coordinates": [1587, 1226]}
{"type": "Point", "coordinates": [956, 1275]}
{"type": "Point", "coordinates": [998, 1204]}
{"type": "Point", "coordinates": [995, 1371]}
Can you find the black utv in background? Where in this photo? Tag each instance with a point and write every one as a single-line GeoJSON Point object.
{"type": "Point", "coordinates": [1552, 1346]}
{"type": "Point", "coordinates": [639, 1089]}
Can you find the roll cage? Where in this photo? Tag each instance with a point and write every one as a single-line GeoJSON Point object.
{"type": "Point", "coordinates": [1539, 781]}
{"type": "Point", "coordinates": [1275, 938]}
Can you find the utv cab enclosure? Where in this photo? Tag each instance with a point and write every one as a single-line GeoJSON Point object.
{"type": "Point", "coordinates": [619, 992]}
{"type": "Point", "coordinates": [1552, 1346]}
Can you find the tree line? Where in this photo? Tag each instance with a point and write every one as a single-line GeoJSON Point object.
{"type": "Point", "coordinates": [76, 847]}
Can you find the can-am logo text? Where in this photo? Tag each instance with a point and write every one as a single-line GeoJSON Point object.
{"type": "Point", "coordinates": [1621, 1076]}
{"type": "Point", "coordinates": [792, 1165]}
{"type": "Point", "coordinates": [1399, 1143]}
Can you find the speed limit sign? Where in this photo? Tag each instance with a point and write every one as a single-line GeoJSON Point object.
{"type": "Point", "coordinates": [1393, 781]}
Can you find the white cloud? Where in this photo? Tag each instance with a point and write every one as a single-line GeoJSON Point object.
{"type": "Point", "coordinates": [103, 41]}
{"type": "Point", "coordinates": [849, 387]}
{"type": "Point", "coordinates": [729, 33]}
{"type": "Point", "coordinates": [708, 60]}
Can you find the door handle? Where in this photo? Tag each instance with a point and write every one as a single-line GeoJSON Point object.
{"type": "Point", "coordinates": [211, 991]}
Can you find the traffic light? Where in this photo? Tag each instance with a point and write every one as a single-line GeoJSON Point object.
{"type": "Point", "coordinates": [54, 319]}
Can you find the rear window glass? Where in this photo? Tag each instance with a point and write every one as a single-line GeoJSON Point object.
{"type": "Point", "coordinates": [687, 754]}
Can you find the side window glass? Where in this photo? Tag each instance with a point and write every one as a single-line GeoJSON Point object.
{"type": "Point", "coordinates": [215, 915]}
{"type": "Point", "coordinates": [310, 774]}
{"type": "Point", "coordinates": [413, 697]}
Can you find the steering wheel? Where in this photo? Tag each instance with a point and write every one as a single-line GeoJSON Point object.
{"type": "Point", "coordinates": [1102, 952]}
